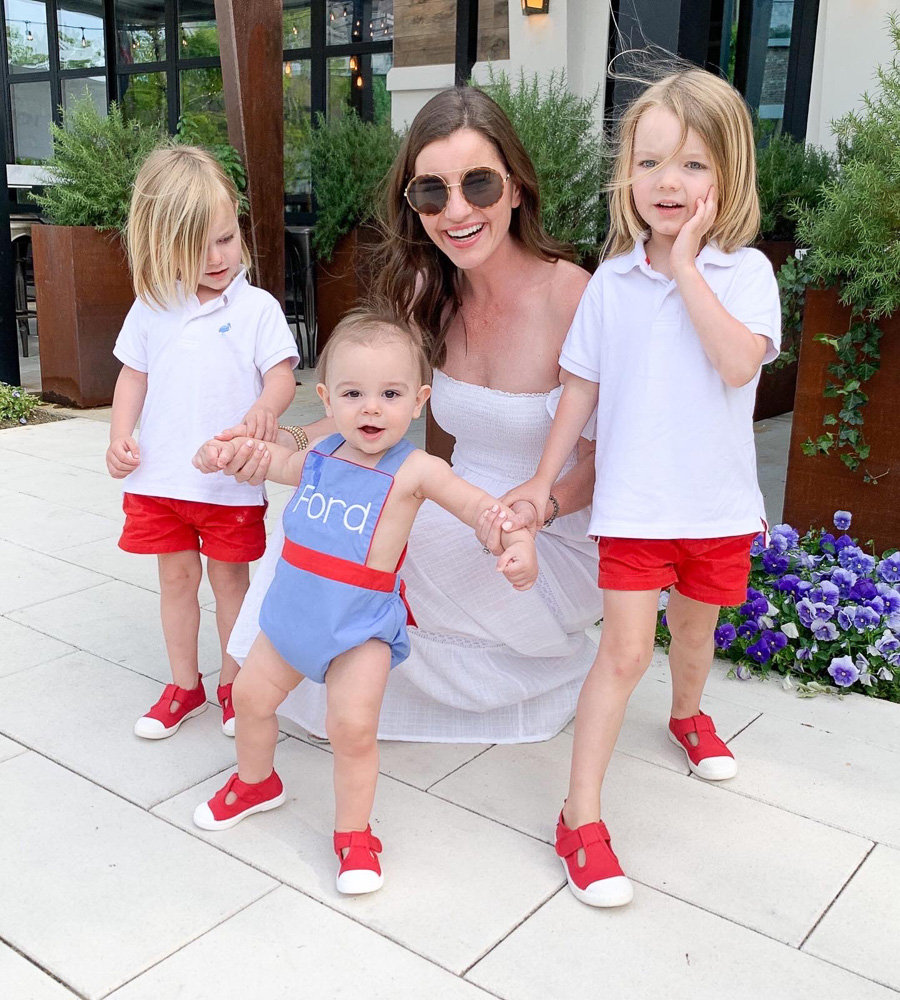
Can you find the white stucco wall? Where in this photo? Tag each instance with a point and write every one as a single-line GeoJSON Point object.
{"type": "Point", "coordinates": [851, 41]}
{"type": "Point", "coordinates": [572, 37]}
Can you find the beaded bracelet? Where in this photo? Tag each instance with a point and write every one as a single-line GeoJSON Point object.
{"type": "Point", "coordinates": [555, 513]}
{"type": "Point", "coordinates": [299, 435]}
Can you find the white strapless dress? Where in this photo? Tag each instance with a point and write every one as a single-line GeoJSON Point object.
{"type": "Point", "coordinates": [488, 664]}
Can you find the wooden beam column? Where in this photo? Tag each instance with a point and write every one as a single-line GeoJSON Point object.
{"type": "Point", "coordinates": [250, 42]}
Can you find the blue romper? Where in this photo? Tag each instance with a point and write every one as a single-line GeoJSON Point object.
{"type": "Point", "coordinates": [323, 599]}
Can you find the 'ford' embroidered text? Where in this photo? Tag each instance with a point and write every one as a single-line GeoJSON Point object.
{"type": "Point", "coordinates": [319, 506]}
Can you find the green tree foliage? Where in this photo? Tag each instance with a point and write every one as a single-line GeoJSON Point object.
{"type": "Point", "coordinates": [95, 160]}
{"type": "Point", "coordinates": [558, 130]}
{"type": "Point", "coordinates": [349, 159]}
{"type": "Point", "coordinates": [791, 176]}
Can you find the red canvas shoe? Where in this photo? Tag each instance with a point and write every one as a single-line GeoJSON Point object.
{"type": "Point", "coordinates": [710, 758]}
{"type": "Point", "coordinates": [360, 871]}
{"type": "Point", "coordinates": [258, 797]}
{"type": "Point", "coordinates": [161, 721]}
{"type": "Point", "coordinates": [600, 881]}
{"type": "Point", "coordinates": [223, 693]}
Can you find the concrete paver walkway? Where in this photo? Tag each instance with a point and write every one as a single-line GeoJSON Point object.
{"type": "Point", "coordinates": [781, 883]}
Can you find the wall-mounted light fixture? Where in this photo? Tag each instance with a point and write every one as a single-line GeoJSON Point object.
{"type": "Point", "coordinates": [535, 7]}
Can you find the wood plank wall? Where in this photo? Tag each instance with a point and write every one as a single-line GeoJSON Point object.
{"type": "Point", "coordinates": [425, 31]}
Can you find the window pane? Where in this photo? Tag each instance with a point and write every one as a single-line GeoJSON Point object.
{"type": "Point", "coordinates": [381, 96]}
{"type": "Point", "coordinates": [358, 20]}
{"type": "Point", "coordinates": [26, 36]}
{"type": "Point", "coordinates": [340, 85]}
{"type": "Point", "coordinates": [198, 36]}
{"type": "Point", "coordinates": [296, 24]}
{"type": "Point", "coordinates": [141, 31]}
{"type": "Point", "coordinates": [81, 36]}
{"type": "Point", "coordinates": [31, 114]}
{"type": "Point", "coordinates": [143, 96]}
{"type": "Point", "coordinates": [92, 86]}
{"type": "Point", "coordinates": [203, 104]}
{"type": "Point", "coordinates": [297, 119]}
{"type": "Point", "coordinates": [774, 83]}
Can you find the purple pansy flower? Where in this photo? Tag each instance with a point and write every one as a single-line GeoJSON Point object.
{"type": "Point", "coordinates": [807, 561]}
{"type": "Point", "coordinates": [865, 619]}
{"type": "Point", "coordinates": [890, 597]}
{"type": "Point", "coordinates": [889, 569]}
{"type": "Point", "coordinates": [853, 558]}
{"type": "Point", "coordinates": [863, 590]}
{"type": "Point", "coordinates": [759, 651]}
{"type": "Point", "coordinates": [807, 652]}
{"type": "Point", "coordinates": [786, 532]}
{"type": "Point", "coordinates": [823, 631]}
{"type": "Point", "coordinates": [725, 635]}
{"type": "Point", "coordinates": [877, 604]}
{"type": "Point", "coordinates": [743, 672]}
{"type": "Point", "coordinates": [842, 519]}
{"type": "Point", "coordinates": [775, 640]}
{"type": "Point", "coordinates": [759, 543]}
{"type": "Point", "coordinates": [748, 629]}
{"type": "Point", "coordinates": [803, 587]}
{"type": "Point", "coordinates": [845, 617]}
{"type": "Point", "coordinates": [843, 671]}
{"type": "Point", "coordinates": [843, 579]}
{"type": "Point", "coordinates": [787, 583]}
{"type": "Point", "coordinates": [778, 543]}
{"type": "Point", "coordinates": [775, 563]}
{"type": "Point", "coordinates": [887, 643]}
{"type": "Point", "coordinates": [844, 542]}
{"type": "Point", "coordinates": [809, 611]}
{"type": "Point", "coordinates": [893, 621]}
{"type": "Point", "coordinates": [825, 593]}
{"type": "Point", "coordinates": [758, 606]}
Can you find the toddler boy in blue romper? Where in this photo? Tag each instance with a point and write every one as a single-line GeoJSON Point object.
{"type": "Point", "coordinates": [335, 612]}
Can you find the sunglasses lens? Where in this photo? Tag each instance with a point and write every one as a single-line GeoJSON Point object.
{"type": "Point", "coordinates": [482, 187]}
{"type": "Point", "coordinates": [427, 194]}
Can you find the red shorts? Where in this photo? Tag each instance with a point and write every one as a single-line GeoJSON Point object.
{"type": "Point", "coordinates": [711, 570]}
{"type": "Point", "coordinates": [154, 525]}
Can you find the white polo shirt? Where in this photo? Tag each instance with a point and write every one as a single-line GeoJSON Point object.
{"type": "Point", "coordinates": [204, 366]}
{"type": "Point", "coordinates": [676, 457]}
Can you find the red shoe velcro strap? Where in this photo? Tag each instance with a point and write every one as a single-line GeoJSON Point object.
{"type": "Point", "coordinates": [696, 724]}
{"type": "Point", "coordinates": [356, 838]}
{"type": "Point", "coordinates": [582, 838]}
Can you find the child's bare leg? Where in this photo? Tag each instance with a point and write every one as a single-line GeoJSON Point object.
{"type": "Point", "coordinates": [626, 645]}
{"type": "Point", "coordinates": [229, 582]}
{"type": "Point", "coordinates": [355, 687]}
{"type": "Point", "coordinates": [260, 687]}
{"type": "Point", "coordinates": [692, 624]}
{"type": "Point", "coordinates": [179, 581]}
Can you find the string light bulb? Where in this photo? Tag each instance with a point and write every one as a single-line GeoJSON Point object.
{"type": "Point", "coordinates": [359, 81]}
{"type": "Point", "coordinates": [353, 63]}
{"type": "Point", "coordinates": [287, 69]}
{"type": "Point", "coordinates": [29, 34]}
{"type": "Point", "coordinates": [84, 42]}
{"type": "Point", "coordinates": [293, 29]}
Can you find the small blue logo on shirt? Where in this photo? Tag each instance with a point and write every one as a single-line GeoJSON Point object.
{"type": "Point", "coordinates": [225, 328]}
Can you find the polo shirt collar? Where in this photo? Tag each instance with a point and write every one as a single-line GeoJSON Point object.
{"type": "Point", "coordinates": [223, 299]}
{"type": "Point", "coordinates": [710, 254]}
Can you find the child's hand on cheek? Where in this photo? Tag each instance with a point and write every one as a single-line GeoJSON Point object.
{"type": "Point", "coordinates": [261, 423]}
{"type": "Point", "coordinates": [688, 242]}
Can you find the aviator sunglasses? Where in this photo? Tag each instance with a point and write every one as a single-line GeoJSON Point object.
{"type": "Point", "coordinates": [428, 194]}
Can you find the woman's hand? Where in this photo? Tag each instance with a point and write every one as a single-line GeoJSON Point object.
{"type": "Point", "coordinates": [493, 522]}
{"type": "Point", "coordinates": [247, 461]}
{"type": "Point", "coordinates": [687, 244]}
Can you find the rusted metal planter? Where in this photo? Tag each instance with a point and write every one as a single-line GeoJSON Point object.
{"type": "Point", "coordinates": [345, 281]}
{"type": "Point", "coordinates": [777, 386]}
{"type": "Point", "coordinates": [83, 291]}
{"type": "Point", "coordinates": [818, 485]}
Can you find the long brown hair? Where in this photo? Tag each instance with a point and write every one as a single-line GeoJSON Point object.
{"type": "Point", "coordinates": [414, 275]}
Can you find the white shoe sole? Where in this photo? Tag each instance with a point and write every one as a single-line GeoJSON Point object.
{"type": "Point", "coordinates": [149, 730]}
{"type": "Point", "coordinates": [204, 818]}
{"type": "Point", "coordinates": [358, 881]}
{"type": "Point", "coordinates": [228, 727]}
{"type": "Point", "coordinates": [615, 891]}
{"type": "Point", "coordinates": [711, 768]}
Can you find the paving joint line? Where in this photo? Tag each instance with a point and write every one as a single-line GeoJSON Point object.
{"type": "Point", "coordinates": [838, 894]}
{"type": "Point", "coordinates": [37, 965]}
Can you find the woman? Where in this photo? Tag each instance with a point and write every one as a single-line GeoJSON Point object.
{"type": "Point", "coordinates": [468, 262]}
